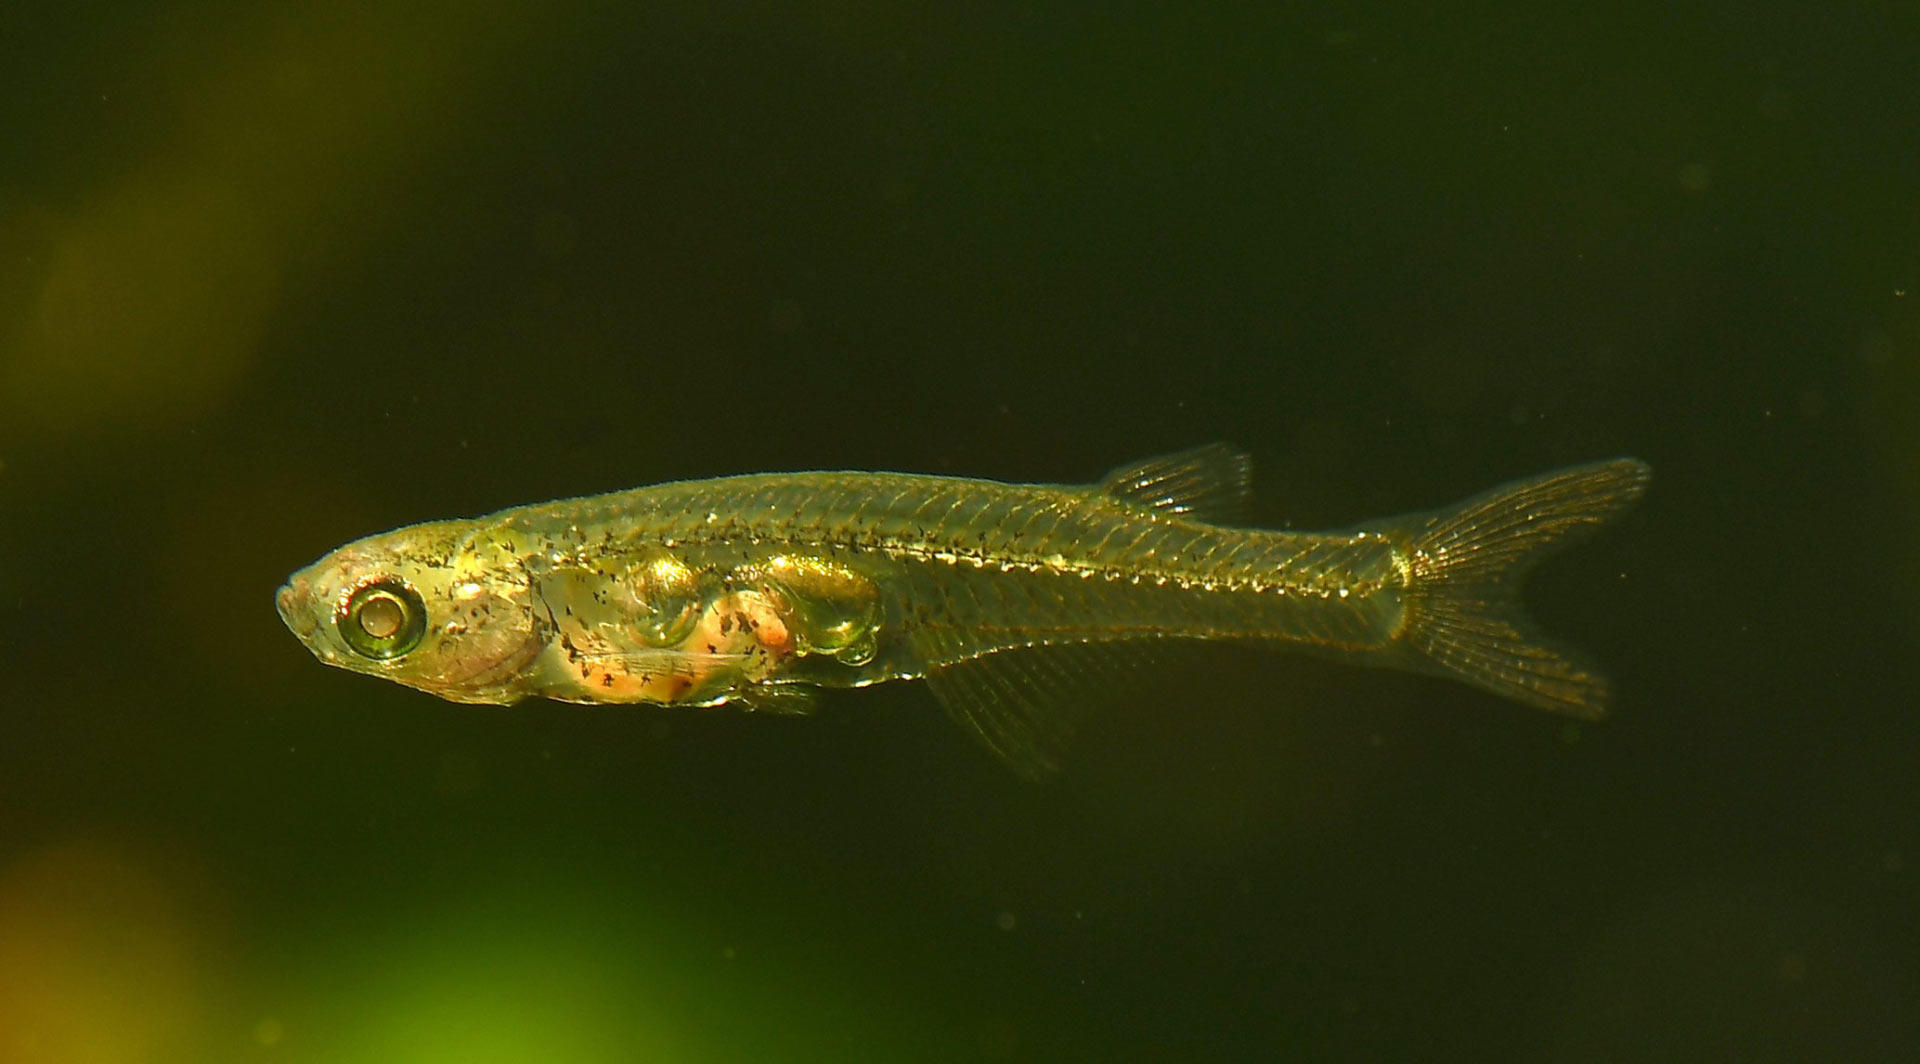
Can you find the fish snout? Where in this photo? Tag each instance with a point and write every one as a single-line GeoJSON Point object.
{"type": "Point", "coordinates": [290, 603]}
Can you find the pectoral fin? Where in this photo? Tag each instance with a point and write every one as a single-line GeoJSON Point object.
{"type": "Point", "coordinates": [782, 698]}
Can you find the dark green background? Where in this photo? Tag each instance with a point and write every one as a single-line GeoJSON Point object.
{"type": "Point", "coordinates": [277, 277]}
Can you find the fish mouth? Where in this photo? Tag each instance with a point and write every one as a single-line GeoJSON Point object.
{"type": "Point", "coordinates": [295, 607]}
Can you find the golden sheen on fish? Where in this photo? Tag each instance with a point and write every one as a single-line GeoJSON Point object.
{"type": "Point", "coordinates": [1016, 602]}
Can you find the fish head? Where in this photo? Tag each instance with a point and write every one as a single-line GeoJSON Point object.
{"type": "Point", "coordinates": [442, 607]}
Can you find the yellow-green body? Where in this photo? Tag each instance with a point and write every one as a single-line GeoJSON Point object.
{"type": "Point", "coordinates": [756, 589]}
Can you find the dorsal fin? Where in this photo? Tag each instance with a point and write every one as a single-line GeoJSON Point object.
{"type": "Point", "coordinates": [1213, 483]}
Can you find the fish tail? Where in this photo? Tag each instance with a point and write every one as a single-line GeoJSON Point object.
{"type": "Point", "coordinates": [1464, 565]}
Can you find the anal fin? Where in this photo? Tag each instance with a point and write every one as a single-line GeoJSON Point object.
{"type": "Point", "coordinates": [1023, 704]}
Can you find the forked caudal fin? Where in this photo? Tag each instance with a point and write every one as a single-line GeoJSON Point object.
{"type": "Point", "coordinates": [1463, 614]}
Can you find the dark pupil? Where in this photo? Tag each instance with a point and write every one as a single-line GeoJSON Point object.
{"type": "Point", "coordinates": [382, 617]}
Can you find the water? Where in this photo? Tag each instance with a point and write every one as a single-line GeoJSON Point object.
{"type": "Point", "coordinates": [281, 277]}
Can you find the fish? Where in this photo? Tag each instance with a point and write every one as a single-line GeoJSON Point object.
{"type": "Point", "coordinates": [1022, 606]}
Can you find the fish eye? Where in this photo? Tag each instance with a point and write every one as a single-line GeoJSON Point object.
{"type": "Point", "coordinates": [382, 619]}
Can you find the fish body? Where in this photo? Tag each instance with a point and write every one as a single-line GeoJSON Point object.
{"type": "Point", "coordinates": [1013, 600]}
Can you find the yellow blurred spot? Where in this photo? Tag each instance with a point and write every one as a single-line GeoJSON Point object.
{"type": "Point", "coordinates": [153, 300]}
{"type": "Point", "coordinates": [96, 963]}
{"type": "Point", "coordinates": [268, 1031]}
{"type": "Point", "coordinates": [148, 297]}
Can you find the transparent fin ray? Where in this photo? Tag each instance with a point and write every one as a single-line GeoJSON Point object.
{"type": "Point", "coordinates": [1024, 704]}
{"type": "Point", "coordinates": [785, 699]}
{"type": "Point", "coordinates": [1213, 483]}
{"type": "Point", "coordinates": [1463, 612]}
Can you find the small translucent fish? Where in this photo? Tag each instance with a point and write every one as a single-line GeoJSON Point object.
{"type": "Point", "coordinates": [1016, 602]}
